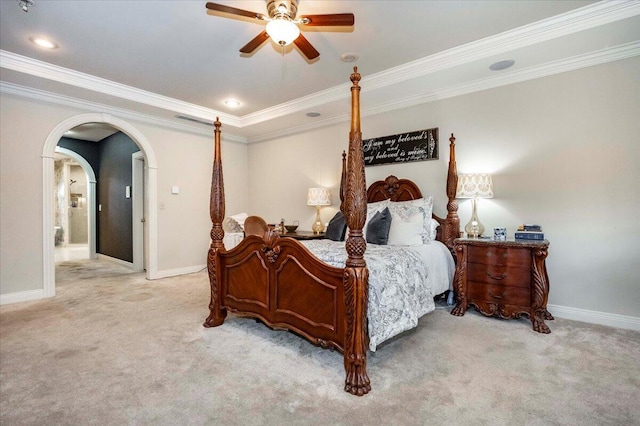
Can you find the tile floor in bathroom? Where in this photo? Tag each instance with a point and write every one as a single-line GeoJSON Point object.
{"type": "Point", "coordinates": [71, 252]}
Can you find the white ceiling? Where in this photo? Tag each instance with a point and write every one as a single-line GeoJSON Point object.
{"type": "Point", "coordinates": [153, 60]}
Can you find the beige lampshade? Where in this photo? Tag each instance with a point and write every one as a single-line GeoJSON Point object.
{"type": "Point", "coordinates": [318, 197]}
{"type": "Point", "coordinates": [475, 185]}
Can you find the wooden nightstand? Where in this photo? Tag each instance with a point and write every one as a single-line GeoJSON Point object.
{"type": "Point", "coordinates": [507, 279]}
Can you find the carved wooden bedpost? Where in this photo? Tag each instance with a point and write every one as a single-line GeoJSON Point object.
{"type": "Point", "coordinates": [216, 210]}
{"type": "Point", "coordinates": [343, 180]}
{"type": "Point", "coordinates": [356, 274]}
{"type": "Point", "coordinates": [452, 221]}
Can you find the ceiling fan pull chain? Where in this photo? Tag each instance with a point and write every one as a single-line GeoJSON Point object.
{"type": "Point", "coordinates": [284, 64]}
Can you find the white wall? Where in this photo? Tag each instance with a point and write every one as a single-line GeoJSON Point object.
{"type": "Point", "coordinates": [184, 159]}
{"type": "Point", "coordinates": [564, 151]}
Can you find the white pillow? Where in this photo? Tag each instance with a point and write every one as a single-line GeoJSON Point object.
{"type": "Point", "coordinates": [425, 205]}
{"type": "Point", "coordinates": [406, 231]}
{"type": "Point", "coordinates": [230, 225]}
{"type": "Point", "coordinates": [239, 219]}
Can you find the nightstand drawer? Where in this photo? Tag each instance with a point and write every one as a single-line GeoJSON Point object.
{"type": "Point", "coordinates": [501, 275]}
{"type": "Point", "coordinates": [517, 296]}
{"type": "Point", "coordinates": [500, 256]}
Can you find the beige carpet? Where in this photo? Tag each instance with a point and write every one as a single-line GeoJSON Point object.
{"type": "Point", "coordinates": [114, 348]}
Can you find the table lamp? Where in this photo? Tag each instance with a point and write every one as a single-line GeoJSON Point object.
{"type": "Point", "coordinates": [474, 186]}
{"type": "Point", "coordinates": [318, 197]}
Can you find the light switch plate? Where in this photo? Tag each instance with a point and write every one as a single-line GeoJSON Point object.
{"type": "Point", "coordinates": [127, 191]}
{"type": "Point", "coordinates": [175, 189]}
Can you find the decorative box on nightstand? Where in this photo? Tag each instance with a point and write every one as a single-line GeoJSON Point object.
{"type": "Point", "coordinates": [503, 278]}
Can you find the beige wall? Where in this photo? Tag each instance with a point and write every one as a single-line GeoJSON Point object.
{"type": "Point", "coordinates": [564, 151]}
{"type": "Point", "coordinates": [184, 159]}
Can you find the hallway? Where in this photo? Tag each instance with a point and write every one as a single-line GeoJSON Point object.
{"type": "Point", "coordinates": [71, 252]}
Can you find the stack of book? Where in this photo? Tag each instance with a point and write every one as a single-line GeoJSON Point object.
{"type": "Point", "coordinates": [529, 232]}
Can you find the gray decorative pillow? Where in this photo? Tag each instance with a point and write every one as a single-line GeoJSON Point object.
{"type": "Point", "coordinates": [337, 227]}
{"type": "Point", "coordinates": [378, 227]}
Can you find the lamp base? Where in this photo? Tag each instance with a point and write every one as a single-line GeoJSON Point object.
{"type": "Point", "coordinates": [318, 226]}
{"type": "Point", "coordinates": [474, 228]}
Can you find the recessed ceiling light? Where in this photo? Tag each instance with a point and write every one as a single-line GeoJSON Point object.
{"type": "Point", "coordinates": [349, 57]}
{"type": "Point", "coordinates": [43, 42]}
{"type": "Point", "coordinates": [313, 114]}
{"type": "Point", "coordinates": [233, 103]}
{"type": "Point", "coordinates": [502, 65]}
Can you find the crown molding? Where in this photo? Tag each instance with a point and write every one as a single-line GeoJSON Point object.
{"type": "Point", "coordinates": [574, 63]}
{"type": "Point", "coordinates": [603, 56]}
{"type": "Point", "coordinates": [616, 53]}
{"type": "Point", "coordinates": [53, 98]}
{"type": "Point", "coordinates": [584, 18]}
{"type": "Point", "coordinates": [581, 19]}
{"type": "Point", "coordinates": [23, 64]}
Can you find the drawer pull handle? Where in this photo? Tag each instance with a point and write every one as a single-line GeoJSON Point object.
{"type": "Point", "coordinates": [497, 277]}
{"type": "Point", "coordinates": [495, 296]}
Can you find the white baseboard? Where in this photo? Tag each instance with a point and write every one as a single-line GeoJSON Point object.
{"type": "Point", "coordinates": [180, 271]}
{"type": "Point", "coordinates": [21, 296]}
{"type": "Point", "coordinates": [595, 317]}
{"type": "Point", "coordinates": [116, 260]}
{"type": "Point", "coordinates": [576, 314]}
{"type": "Point", "coordinates": [26, 296]}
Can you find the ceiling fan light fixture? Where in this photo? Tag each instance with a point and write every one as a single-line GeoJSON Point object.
{"type": "Point", "coordinates": [282, 30]}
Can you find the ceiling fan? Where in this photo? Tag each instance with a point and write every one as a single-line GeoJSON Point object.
{"type": "Point", "coordinates": [282, 25]}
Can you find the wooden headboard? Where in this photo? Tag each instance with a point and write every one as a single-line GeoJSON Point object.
{"type": "Point", "coordinates": [395, 189]}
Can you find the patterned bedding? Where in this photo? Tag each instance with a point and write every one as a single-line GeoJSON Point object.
{"type": "Point", "coordinates": [402, 282]}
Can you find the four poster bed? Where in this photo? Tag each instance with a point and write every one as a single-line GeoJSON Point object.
{"type": "Point", "coordinates": [285, 284]}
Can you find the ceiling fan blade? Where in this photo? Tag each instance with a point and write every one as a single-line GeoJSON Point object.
{"type": "Point", "coordinates": [333, 20]}
{"type": "Point", "coordinates": [255, 43]}
{"type": "Point", "coordinates": [234, 11]}
{"type": "Point", "coordinates": [306, 48]}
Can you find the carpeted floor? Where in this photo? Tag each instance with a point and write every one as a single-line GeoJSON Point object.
{"type": "Point", "coordinates": [114, 348]}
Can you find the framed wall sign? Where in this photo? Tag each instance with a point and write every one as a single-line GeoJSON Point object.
{"type": "Point", "coordinates": [419, 145]}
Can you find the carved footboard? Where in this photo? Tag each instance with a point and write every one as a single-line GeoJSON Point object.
{"type": "Point", "coordinates": [280, 282]}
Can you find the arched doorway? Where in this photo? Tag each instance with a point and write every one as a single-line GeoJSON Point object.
{"type": "Point", "coordinates": [151, 178]}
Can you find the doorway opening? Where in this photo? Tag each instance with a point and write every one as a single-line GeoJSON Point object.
{"type": "Point", "coordinates": [147, 168]}
{"type": "Point", "coordinates": [74, 206]}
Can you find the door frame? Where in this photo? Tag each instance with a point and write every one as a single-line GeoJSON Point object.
{"type": "Point", "coordinates": [137, 211]}
{"type": "Point", "coordinates": [150, 199]}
